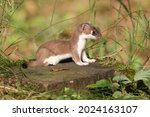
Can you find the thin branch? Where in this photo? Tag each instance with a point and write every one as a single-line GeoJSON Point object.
{"type": "Point", "coordinates": [113, 53]}
{"type": "Point", "coordinates": [145, 62]}
{"type": "Point", "coordinates": [17, 8]}
{"type": "Point", "coordinates": [92, 46]}
{"type": "Point", "coordinates": [9, 88]}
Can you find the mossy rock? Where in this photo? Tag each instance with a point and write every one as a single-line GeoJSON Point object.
{"type": "Point", "coordinates": [54, 78]}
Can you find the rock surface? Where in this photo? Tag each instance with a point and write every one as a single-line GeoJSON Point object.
{"type": "Point", "coordinates": [54, 78]}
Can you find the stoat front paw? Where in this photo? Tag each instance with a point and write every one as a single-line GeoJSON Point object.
{"type": "Point", "coordinates": [91, 60]}
{"type": "Point", "coordinates": [82, 63]}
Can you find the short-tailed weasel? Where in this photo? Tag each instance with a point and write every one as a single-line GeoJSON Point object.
{"type": "Point", "coordinates": [52, 52]}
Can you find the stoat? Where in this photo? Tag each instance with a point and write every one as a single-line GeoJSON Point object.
{"type": "Point", "coordinates": [52, 52]}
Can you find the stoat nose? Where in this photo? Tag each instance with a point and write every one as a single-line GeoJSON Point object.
{"type": "Point", "coordinates": [99, 36]}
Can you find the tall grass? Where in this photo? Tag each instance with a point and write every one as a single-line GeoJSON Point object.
{"type": "Point", "coordinates": [131, 34]}
{"type": "Point", "coordinates": [135, 35]}
{"type": "Point", "coordinates": [8, 68]}
{"type": "Point", "coordinates": [92, 14]}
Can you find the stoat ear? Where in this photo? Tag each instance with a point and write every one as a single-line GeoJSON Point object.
{"type": "Point", "coordinates": [82, 27]}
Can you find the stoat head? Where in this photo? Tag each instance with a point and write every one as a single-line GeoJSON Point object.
{"type": "Point", "coordinates": [88, 31]}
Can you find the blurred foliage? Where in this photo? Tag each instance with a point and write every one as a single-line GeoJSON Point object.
{"type": "Point", "coordinates": [125, 26]}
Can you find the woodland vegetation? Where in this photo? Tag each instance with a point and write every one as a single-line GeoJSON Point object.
{"type": "Point", "coordinates": [124, 24]}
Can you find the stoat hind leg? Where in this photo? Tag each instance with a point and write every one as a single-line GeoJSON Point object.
{"type": "Point", "coordinates": [86, 59]}
{"type": "Point", "coordinates": [42, 54]}
{"type": "Point", "coordinates": [49, 58]}
{"type": "Point", "coordinates": [52, 60]}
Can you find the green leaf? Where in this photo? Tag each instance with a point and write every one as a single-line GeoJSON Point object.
{"type": "Point", "coordinates": [117, 94]}
{"type": "Point", "coordinates": [103, 83]}
{"type": "Point", "coordinates": [122, 78]}
{"type": "Point", "coordinates": [92, 86]}
{"type": "Point", "coordinates": [143, 75]}
{"type": "Point", "coordinates": [100, 84]}
{"type": "Point", "coordinates": [115, 86]}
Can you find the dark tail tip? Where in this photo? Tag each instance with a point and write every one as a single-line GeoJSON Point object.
{"type": "Point", "coordinates": [24, 65]}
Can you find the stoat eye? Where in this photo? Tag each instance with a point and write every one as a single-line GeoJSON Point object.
{"type": "Point", "coordinates": [93, 32]}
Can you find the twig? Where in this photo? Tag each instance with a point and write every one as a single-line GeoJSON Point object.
{"type": "Point", "coordinates": [91, 46]}
{"type": "Point", "coordinates": [9, 88]}
{"type": "Point", "coordinates": [145, 62]}
{"type": "Point", "coordinates": [12, 89]}
{"type": "Point", "coordinates": [113, 53]}
{"type": "Point", "coordinates": [17, 8]}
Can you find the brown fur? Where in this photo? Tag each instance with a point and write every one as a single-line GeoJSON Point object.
{"type": "Point", "coordinates": [59, 47]}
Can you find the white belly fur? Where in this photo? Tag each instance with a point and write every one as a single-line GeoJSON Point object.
{"type": "Point", "coordinates": [53, 60]}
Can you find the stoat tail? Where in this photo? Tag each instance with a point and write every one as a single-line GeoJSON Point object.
{"type": "Point", "coordinates": [31, 63]}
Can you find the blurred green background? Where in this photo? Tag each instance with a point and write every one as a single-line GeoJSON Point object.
{"type": "Point", "coordinates": [25, 24]}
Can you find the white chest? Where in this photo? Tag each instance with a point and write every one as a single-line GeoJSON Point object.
{"type": "Point", "coordinates": [81, 44]}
